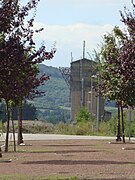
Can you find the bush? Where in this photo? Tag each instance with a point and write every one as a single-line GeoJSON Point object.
{"type": "Point", "coordinates": [83, 115]}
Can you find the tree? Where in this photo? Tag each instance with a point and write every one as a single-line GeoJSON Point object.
{"type": "Point", "coordinates": [18, 54]}
{"type": "Point", "coordinates": [109, 78]}
{"type": "Point", "coordinates": [117, 67]}
{"type": "Point", "coordinates": [29, 111]}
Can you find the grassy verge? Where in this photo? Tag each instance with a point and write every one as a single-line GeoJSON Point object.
{"type": "Point", "coordinates": [23, 177]}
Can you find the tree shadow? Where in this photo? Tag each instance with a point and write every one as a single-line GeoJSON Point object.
{"type": "Point", "coordinates": [66, 145]}
{"type": "Point", "coordinates": [77, 162]}
{"type": "Point", "coordinates": [64, 151]}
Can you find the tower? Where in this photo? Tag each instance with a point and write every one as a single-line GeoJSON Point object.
{"type": "Point", "coordinates": [81, 78]}
{"type": "Point", "coordinates": [80, 86]}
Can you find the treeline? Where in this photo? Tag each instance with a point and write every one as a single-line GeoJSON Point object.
{"type": "Point", "coordinates": [54, 115]}
{"type": "Point", "coordinates": [29, 112]}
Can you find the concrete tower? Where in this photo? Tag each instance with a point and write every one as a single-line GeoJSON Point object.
{"type": "Point", "coordinates": [82, 81]}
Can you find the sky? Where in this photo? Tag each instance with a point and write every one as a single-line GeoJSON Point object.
{"type": "Point", "coordinates": [67, 23]}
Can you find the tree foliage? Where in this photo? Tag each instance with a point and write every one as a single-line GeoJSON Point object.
{"type": "Point", "coordinates": [18, 53]}
{"type": "Point", "coordinates": [127, 57]}
{"type": "Point", "coordinates": [117, 63]}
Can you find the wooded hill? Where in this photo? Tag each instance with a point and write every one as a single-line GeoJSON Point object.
{"type": "Point", "coordinates": [54, 106]}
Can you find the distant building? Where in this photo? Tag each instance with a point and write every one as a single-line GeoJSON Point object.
{"type": "Point", "coordinates": [82, 81]}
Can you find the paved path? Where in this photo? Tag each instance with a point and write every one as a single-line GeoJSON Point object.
{"type": "Point", "coordinates": [59, 137]}
{"type": "Point", "coordinates": [56, 137]}
{"type": "Point", "coordinates": [53, 137]}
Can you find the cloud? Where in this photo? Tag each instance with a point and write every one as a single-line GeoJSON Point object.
{"type": "Point", "coordinates": [70, 38]}
{"type": "Point", "coordinates": [73, 34]}
{"type": "Point", "coordinates": [70, 22]}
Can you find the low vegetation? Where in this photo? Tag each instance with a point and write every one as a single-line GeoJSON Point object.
{"type": "Point", "coordinates": [84, 125]}
{"type": "Point", "coordinates": [22, 177]}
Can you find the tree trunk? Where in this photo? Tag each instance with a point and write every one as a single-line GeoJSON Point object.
{"type": "Point", "coordinates": [129, 115]}
{"type": "Point", "coordinates": [118, 137]}
{"type": "Point", "coordinates": [122, 120]}
{"type": "Point", "coordinates": [7, 131]}
{"type": "Point", "coordinates": [20, 137]}
{"type": "Point", "coordinates": [11, 118]}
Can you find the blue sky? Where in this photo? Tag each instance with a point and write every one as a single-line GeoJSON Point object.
{"type": "Point", "coordinates": [69, 22]}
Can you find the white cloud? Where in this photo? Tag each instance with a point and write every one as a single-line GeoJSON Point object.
{"type": "Point", "coordinates": [73, 34]}
{"type": "Point", "coordinates": [70, 38]}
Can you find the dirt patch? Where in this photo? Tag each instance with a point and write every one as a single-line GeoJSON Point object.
{"type": "Point", "coordinates": [84, 159]}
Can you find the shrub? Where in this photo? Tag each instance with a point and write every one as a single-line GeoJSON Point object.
{"type": "Point", "coordinates": [83, 115]}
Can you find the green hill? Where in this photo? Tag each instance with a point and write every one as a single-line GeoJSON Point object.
{"type": "Point", "coordinates": [54, 106]}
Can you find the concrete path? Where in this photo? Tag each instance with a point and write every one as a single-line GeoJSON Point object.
{"type": "Point", "coordinates": [56, 137]}
{"type": "Point", "coordinates": [59, 137]}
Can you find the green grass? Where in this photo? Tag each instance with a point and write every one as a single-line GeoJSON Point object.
{"type": "Point", "coordinates": [32, 151]}
{"type": "Point", "coordinates": [14, 177]}
{"type": "Point", "coordinates": [24, 177]}
{"type": "Point", "coordinates": [61, 178]}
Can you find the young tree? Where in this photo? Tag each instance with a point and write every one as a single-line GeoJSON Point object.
{"type": "Point", "coordinates": [109, 77]}
{"type": "Point", "coordinates": [117, 71]}
{"type": "Point", "coordinates": [18, 55]}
